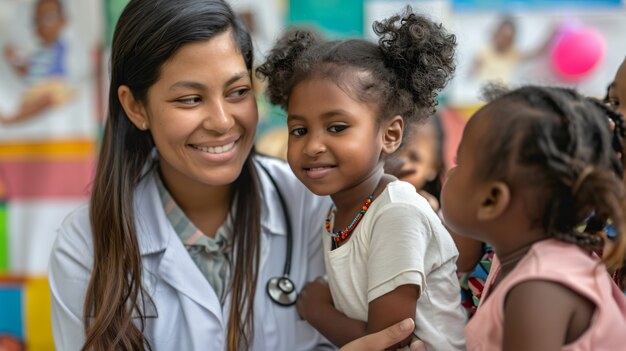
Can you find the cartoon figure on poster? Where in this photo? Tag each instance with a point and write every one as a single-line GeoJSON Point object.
{"type": "Point", "coordinates": [499, 59]}
{"type": "Point", "coordinates": [44, 70]}
{"type": "Point", "coordinates": [48, 56]}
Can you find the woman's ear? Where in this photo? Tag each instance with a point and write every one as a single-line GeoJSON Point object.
{"type": "Point", "coordinates": [392, 134]}
{"type": "Point", "coordinates": [134, 109]}
{"type": "Point", "coordinates": [496, 200]}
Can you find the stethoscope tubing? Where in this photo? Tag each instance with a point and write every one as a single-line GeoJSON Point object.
{"type": "Point", "coordinates": [274, 283]}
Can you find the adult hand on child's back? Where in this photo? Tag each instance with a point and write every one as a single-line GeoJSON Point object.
{"type": "Point", "coordinates": [385, 338]}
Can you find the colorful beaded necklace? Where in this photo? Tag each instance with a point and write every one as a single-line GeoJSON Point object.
{"type": "Point", "coordinates": [343, 235]}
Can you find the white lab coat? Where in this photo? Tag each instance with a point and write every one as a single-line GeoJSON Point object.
{"type": "Point", "coordinates": [188, 314]}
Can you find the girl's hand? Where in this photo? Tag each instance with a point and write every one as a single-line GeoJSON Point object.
{"type": "Point", "coordinates": [313, 299]}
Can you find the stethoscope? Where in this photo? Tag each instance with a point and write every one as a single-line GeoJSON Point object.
{"type": "Point", "coordinates": [281, 289]}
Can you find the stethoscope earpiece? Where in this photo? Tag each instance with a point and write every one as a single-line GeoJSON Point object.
{"type": "Point", "coordinates": [282, 291]}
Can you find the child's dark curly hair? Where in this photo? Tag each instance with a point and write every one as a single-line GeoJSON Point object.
{"type": "Point", "coordinates": [557, 146]}
{"type": "Point", "coordinates": [413, 61]}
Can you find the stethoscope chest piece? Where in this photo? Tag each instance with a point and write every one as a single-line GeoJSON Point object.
{"type": "Point", "coordinates": [282, 291]}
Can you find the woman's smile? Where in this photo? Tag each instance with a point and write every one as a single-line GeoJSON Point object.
{"type": "Point", "coordinates": [218, 153]}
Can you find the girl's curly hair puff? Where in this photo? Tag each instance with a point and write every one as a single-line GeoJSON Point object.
{"type": "Point", "coordinates": [413, 61]}
{"type": "Point", "coordinates": [420, 52]}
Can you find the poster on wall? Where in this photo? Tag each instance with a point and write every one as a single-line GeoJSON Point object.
{"type": "Point", "coordinates": [49, 110]}
{"type": "Point", "coordinates": [48, 122]}
{"type": "Point", "coordinates": [577, 50]}
{"type": "Point", "coordinates": [573, 43]}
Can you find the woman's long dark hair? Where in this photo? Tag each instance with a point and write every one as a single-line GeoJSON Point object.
{"type": "Point", "coordinates": [147, 34]}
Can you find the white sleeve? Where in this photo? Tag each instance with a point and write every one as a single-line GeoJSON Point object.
{"type": "Point", "coordinates": [399, 239]}
{"type": "Point", "coordinates": [68, 276]}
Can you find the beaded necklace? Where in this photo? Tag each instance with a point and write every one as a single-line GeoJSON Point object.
{"type": "Point", "coordinates": [343, 235]}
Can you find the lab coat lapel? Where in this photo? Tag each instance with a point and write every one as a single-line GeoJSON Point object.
{"type": "Point", "coordinates": [178, 270]}
{"type": "Point", "coordinates": [175, 266]}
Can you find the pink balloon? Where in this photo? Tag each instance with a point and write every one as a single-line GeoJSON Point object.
{"type": "Point", "coordinates": [577, 52]}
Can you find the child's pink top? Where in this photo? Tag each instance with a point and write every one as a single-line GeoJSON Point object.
{"type": "Point", "coordinates": [565, 264]}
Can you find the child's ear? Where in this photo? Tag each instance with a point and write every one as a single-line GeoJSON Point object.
{"type": "Point", "coordinates": [392, 134]}
{"type": "Point", "coordinates": [496, 200]}
{"type": "Point", "coordinates": [134, 109]}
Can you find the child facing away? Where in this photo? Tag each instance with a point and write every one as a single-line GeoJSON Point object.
{"type": "Point", "coordinates": [533, 165]}
{"type": "Point", "coordinates": [387, 254]}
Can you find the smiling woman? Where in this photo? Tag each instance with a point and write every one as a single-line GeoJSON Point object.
{"type": "Point", "coordinates": [181, 234]}
{"type": "Point", "coordinates": [200, 113]}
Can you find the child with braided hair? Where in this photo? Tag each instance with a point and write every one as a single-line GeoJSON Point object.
{"type": "Point", "coordinates": [348, 104]}
{"type": "Point", "coordinates": [534, 165]}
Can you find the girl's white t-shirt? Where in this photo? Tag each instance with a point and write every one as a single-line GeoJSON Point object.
{"type": "Point", "coordinates": [400, 241]}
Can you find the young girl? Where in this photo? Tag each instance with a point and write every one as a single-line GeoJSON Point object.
{"type": "Point", "coordinates": [387, 254]}
{"type": "Point", "coordinates": [533, 165]}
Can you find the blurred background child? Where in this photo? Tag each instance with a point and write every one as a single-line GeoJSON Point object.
{"type": "Point", "coordinates": [420, 160]}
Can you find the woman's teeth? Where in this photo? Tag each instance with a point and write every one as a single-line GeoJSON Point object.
{"type": "Point", "coordinates": [215, 149]}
